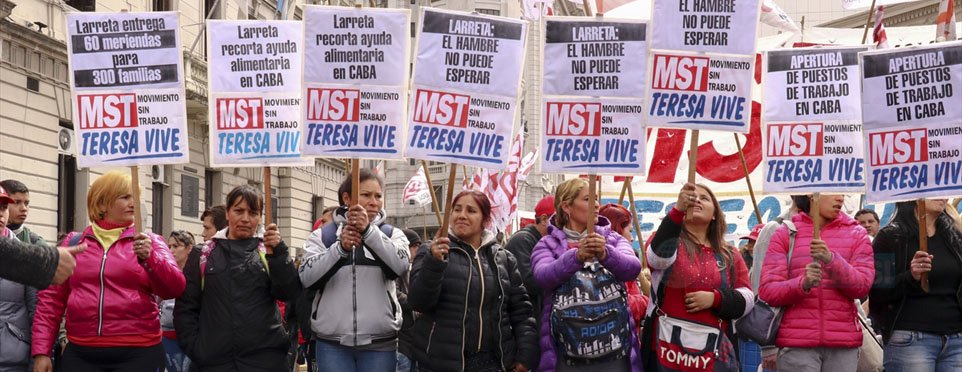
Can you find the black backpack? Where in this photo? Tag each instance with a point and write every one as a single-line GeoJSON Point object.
{"type": "Point", "coordinates": [588, 317]}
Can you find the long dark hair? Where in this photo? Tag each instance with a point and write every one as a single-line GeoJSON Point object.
{"type": "Point", "coordinates": [716, 234]}
{"type": "Point", "coordinates": [905, 219]}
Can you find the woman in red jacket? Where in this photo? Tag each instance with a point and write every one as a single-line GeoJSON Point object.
{"type": "Point", "coordinates": [112, 315]}
{"type": "Point", "coordinates": [699, 286]}
{"type": "Point", "coordinates": [820, 330]}
{"type": "Point", "coordinates": [620, 219]}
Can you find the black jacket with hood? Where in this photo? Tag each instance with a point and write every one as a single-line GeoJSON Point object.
{"type": "Point", "coordinates": [440, 290]}
{"type": "Point", "coordinates": [233, 323]}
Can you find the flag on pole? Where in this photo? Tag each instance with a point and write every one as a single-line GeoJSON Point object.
{"type": "Point", "coordinates": [534, 9]}
{"type": "Point", "coordinates": [945, 23]}
{"type": "Point", "coordinates": [416, 190]}
{"type": "Point", "coordinates": [878, 34]}
{"type": "Point", "coordinates": [602, 6]}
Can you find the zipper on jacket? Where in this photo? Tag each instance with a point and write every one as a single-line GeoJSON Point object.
{"type": "Point", "coordinates": [464, 317]}
{"type": "Point", "coordinates": [430, 337]}
{"type": "Point", "coordinates": [481, 303]}
{"type": "Point", "coordinates": [354, 290]}
{"type": "Point", "coordinates": [100, 305]}
{"type": "Point", "coordinates": [501, 314]}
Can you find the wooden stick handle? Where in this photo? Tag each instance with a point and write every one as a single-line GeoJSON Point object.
{"type": "Point", "coordinates": [868, 21]}
{"type": "Point", "coordinates": [268, 197]}
{"type": "Point", "coordinates": [135, 192]}
{"type": "Point", "coordinates": [693, 156]}
{"type": "Point", "coordinates": [448, 201]}
{"type": "Point", "coordinates": [592, 196]}
{"type": "Point", "coordinates": [355, 181]}
{"type": "Point", "coordinates": [637, 225]}
{"type": "Point", "coordinates": [748, 179]}
{"type": "Point", "coordinates": [923, 237]}
{"type": "Point", "coordinates": [624, 189]}
{"type": "Point", "coordinates": [434, 198]}
{"type": "Point", "coordinates": [816, 217]}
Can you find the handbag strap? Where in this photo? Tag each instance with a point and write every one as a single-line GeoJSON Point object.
{"type": "Point", "coordinates": [792, 232]}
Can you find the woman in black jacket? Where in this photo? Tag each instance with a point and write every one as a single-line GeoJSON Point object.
{"type": "Point", "coordinates": [227, 320]}
{"type": "Point", "coordinates": [923, 331]}
{"type": "Point", "coordinates": [475, 313]}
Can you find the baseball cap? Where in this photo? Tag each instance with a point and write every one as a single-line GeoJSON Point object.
{"type": "Point", "coordinates": [5, 198]}
{"type": "Point", "coordinates": [545, 206]}
{"type": "Point", "coordinates": [755, 231]}
{"type": "Point", "coordinates": [413, 237]}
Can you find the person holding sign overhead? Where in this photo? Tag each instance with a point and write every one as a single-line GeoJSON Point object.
{"type": "Point", "coordinates": [922, 330]}
{"type": "Point", "coordinates": [581, 265]}
{"type": "Point", "coordinates": [475, 313]}
{"type": "Point", "coordinates": [110, 301]}
{"type": "Point", "coordinates": [228, 319]}
{"type": "Point", "coordinates": [352, 262]}
{"type": "Point", "coordinates": [817, 286]}
{"type": "Point", "coordinates": [700, 284]}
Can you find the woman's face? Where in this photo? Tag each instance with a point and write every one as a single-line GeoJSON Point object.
{"type": "Point", "coordinates": [369, 197]}
{"type": "Point", "coordinates": [121, 210]}
{"type": "Point", "coordinates": [466, 218]}
{"type": "Point", "coordinates": [579, 209]}
{"type": "Point", "coordinates": [830, 205]}
{"type": "Point", "coordinates": [702, 209]}
{"type": "Point", "coordinates": [180, 251]}
{"type": "Point", "coordinates": [242, 221]}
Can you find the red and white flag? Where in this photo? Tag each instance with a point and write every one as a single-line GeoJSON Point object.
{"type": "Point", "coordinates": [602, 6]}
{"type": "Point", "coordinates": [878, 34]}
{"type": "Point", "coordinates": [945, 22]}
{"type": "Point", "coordinates": [417, 189]}
{"type": "Point", "coordinates": [535, 9]}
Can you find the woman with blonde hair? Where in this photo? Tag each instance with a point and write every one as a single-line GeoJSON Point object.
{"type": "Point", "coordinates": [582, 266]}
{"type": "Point", "coordinates": [111, 311]}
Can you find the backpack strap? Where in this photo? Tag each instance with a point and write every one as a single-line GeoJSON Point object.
{"type": "Point", "coordinates": [329, 234]}
{"type": "Point", "coordinates": [792, 232]}
{"type": "Point", "coordinates": [209, 247]}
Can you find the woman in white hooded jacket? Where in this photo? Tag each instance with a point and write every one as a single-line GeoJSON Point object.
{"type": "Point", "coordinates": [352, 263]}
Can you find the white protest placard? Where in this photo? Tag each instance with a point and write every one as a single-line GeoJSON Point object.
{"type": "Point", "coordinates": [813, 157]}
{"type": "Point", "coordinates": [593, 136]}
{"type": "Point", "coordinates": [912, 86]}
{"type": "Point", "coordinates": [255, 92]}
{"type": "Point", "coordinates": [470, 53]}
{"type": "Point", "coordinates": [126, 75]}
{"type": "Point", "coordinates": [466, 84]}
{"type": "Point", "coordinates": [355, 79]}
{"type": "Point", "coordinates": [700, 91]}
{"type": "Point", "coordinates": [812, 84]}
{"type": "Point", "coordinates": [718, 26]}
{"type": "Point", "coordinates": [595, 57]}
{"type": "Point", "coordinates": [913, 122]}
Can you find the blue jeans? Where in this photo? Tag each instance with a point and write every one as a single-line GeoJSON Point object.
{"type": "Point", "coordinates": [340, 358]}
{"type": "Point", "coordinates": [923, 352]}
{"type": "Point", "coordinates": [175, 360]}
{"type": "Point", "coordinates": [403, 363]}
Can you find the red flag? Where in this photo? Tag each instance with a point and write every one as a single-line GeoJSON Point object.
{"type": "Point", "coordinates": [878, 34]}
{"type": "Point", "coordinates": [945, 22]}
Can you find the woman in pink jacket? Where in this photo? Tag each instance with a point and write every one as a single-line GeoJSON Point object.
{"type": "Point", "coordinates": [820, 330]}
{"type": "Point", "coordinates": [112, 315]}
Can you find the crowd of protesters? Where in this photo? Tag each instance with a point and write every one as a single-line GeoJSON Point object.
{"type": "Point", "coordinates": [566, 293]}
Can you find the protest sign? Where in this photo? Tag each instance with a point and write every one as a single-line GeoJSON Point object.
{"type": "Point", "coordinates": [912, 86]}
{"type": "Point", "coordinates": [127, 88]}
{"type": "Point", "coordinates": [255, 94]}
{"type": "Point", "coordinates": [355, 78]}
{"type": "Point", "coordinates": [463, 112]}
{"type": "Point", "coordinates": [470, 53]}
{"type": "Point", "coordinates": [814, 157]}
{"type": "Point", "coordinates": [812, 84]}
{"type": "Point", "coordinates": [914, 162]}
{"type": "Point", "coordinates": [913, 122]}
{"type": "Point", "coordinates": [595, 57]}
{"type": "Point", "coordinates": [700, 91]}
{"type": "Point", "coordinates": [718, 26]}
{"type": "Point", "coordinates": [585, 135]}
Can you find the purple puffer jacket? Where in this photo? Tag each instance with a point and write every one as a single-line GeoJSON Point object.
{"type": "Point", "coordinates": [553, 264]}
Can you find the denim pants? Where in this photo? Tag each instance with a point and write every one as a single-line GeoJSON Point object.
{"type": "Point", "coordinates": [923, 352]}
{"type": "Point", "coordinates": [339, 358]}
{"type": "Point", "coordinates": [175, 359]}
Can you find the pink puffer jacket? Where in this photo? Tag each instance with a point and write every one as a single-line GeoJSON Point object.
{"type": "Point", "coordinates": [109, 294]}
{"type": "Point", "coordinates": [825, 316]}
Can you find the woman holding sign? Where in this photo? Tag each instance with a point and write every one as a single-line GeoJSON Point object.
{"type": "Point", "coordinates": [817, 287]}
{"type": "Point", "coordinates": [700, 284]}
{"type": "Point", "coordinates": [475, 313]}
{"type": "Point", "coordinates": [110, 301]}
{"type": "Point", "coordinates": [352, 262]}
{"type": "Point", "coordinates": [923, 331]}
{"type": "Point", "coordinates": [228, 319]}
{"type": "Point", "coordinates": [583, 273]}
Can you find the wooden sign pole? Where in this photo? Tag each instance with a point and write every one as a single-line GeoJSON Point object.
{"type": "Point", "coordinates": [445, 223]}
{"type": "Point", "coordinates": [592, 196]}
{"type": "Point", "coordinates": [748, 179]}
{"type": "Point", "coordinates": [268, 197]}
{"type": "Point", "coordinates": [434, 198]}
{"type": "Point", "coordinates": [135, 192]}
{"type": "Point", "coordinates": [920, 210]}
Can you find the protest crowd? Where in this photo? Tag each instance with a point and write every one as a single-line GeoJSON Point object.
{"type": "Point", "coordinates": [581, 288]}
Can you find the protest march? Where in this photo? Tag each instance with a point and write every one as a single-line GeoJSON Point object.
{"type": "Point", "coordinates": [565, 185]}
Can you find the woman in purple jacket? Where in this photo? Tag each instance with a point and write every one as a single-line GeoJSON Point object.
{"type": "Point", "coordinates": [583, 274]}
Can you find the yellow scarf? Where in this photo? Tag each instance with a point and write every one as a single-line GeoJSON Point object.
{"type": "Point", "coordinates": [106, 237]}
